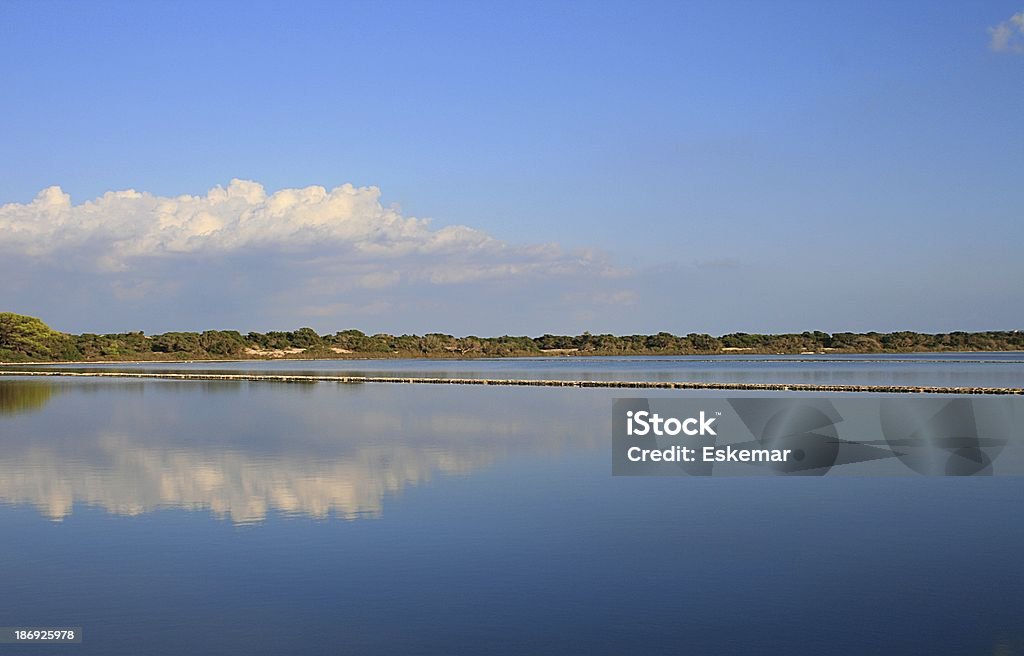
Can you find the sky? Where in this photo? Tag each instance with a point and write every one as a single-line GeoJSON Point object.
{"type": "Point", "coordinates": [513, 168]}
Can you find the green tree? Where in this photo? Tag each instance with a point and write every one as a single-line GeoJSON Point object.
{"type": "Point", "coordinates": [28, 338]}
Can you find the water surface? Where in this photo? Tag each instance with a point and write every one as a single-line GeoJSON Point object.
{"type": "Point", "coordinates": [176, 517]}
{"type": "Point", "coordinates": [922, 369]}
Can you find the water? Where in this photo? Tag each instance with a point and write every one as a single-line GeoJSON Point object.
{"type": "Point", "coordinates": [925, 369]}
{"type": "Point", "coordinates": [172, 517]}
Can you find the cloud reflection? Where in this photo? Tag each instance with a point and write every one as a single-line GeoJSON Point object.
{"type": "Point", "coordinates": [319, 451]}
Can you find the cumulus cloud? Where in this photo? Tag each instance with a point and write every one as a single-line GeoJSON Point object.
{"type": "Point", "coordinates": [121, 226]}
{"type": "Point", "coordinates": [311, 252]}
{"type": "Point", "coordinates": [1008, 36]}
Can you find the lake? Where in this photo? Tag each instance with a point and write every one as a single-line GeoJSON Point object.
{"type": "Point", "coordinates": [172, 517]}
{"type": "Point", "coordinates": [923, 369]}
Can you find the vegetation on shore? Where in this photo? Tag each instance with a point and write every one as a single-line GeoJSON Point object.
{"type": "Point", "coordinates": [26, 339]}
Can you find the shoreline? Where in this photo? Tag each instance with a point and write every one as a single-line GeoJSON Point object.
{"type": "Point", "coordinates": [606, 384]}
{"type": "Point", "coordinates": [847, 356]}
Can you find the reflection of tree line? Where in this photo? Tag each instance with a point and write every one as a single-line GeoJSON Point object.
{"type": "Point", "coordinates": [24, 396]}
{"type": "Point", "coordinates": [28, 395]}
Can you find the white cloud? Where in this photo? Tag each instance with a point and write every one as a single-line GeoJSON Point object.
{"type": "Point", "coordinates": [1008, 36]}
{"type": "Point", "coordinates": [245, 258]}
{"type": "Point", "coordinates": [116, 230]}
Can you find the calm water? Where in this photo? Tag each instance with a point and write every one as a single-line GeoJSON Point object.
{"type": "Point", "coordinates": [938, 369]}
{"type": "Point", "coordinates": [254, 518]}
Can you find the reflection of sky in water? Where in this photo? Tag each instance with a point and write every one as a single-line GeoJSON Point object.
{"type": "Point", "coordinates": [939, 369]}
{"type": "Point", "coordinates": [241, 450]}
{"type": "Point", "coordinates": [521, 543]}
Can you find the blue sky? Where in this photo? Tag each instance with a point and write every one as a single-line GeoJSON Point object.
{"type": "Point", "coordinates": [620, 167]}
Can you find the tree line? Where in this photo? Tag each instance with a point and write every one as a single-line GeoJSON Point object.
{"type": "Point", "coordinates": [24, 339]}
